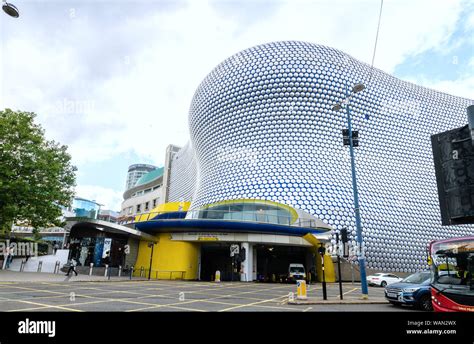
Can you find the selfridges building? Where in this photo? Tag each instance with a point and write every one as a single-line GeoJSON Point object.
{"type": "Point", "coordinates": [262, 127]}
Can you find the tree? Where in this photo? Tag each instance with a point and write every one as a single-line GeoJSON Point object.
{"type": "Point", "coordinates": [36, 175]}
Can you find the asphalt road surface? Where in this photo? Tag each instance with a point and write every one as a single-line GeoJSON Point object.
{"type": "Point", "coordinates": [164, 296]}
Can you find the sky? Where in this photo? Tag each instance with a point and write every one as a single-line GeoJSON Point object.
{"type": "Point", "coordinates": [113, 80]}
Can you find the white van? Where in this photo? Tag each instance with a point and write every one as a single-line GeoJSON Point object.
{"type": "Point", "coordinates": [296, 272]}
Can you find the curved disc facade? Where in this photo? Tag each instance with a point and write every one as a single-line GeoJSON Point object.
{"type": "Point", "coordinates": [262, 127]}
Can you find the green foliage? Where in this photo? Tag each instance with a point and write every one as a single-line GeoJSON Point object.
{"type": "Point", "coordinates": [36, 175]}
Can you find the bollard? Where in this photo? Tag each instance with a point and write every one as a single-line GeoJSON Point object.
{"type": "Point", "coordinates": [218, 276]}
{"type": "Point", "coordinates": [56, 267]}
{"type": "Point", "coordinates": [120, 271]}
{"type": "Point", "coordinates": [109, 272]}
{"type": "Point", "coordinates": [141, 271]}
{"type": "Point", "coordinates": [40, 265]}
{"type": "Point", "coordinates": [106, 270]}
{"type": "Point", "coordinates": [22, 265]}
{"type": "Point", "coordinates": [91, 268]}
{"type": "Point", "coordinates": [301, 293]}
{"type": "Point", "coordinates": [131, 272]}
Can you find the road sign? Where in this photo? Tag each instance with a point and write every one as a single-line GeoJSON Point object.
{"type": "Point", "coordinates": [234, 249]}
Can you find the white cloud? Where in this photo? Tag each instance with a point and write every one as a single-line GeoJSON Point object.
{"type": "Point", "coordinates": [109, 198]}
{"type": "Point", "coordinates": [471, 62]}
{"type": "Point", "coordinates": [108, 88]}
{"type": "Point", "coordinates": [462, 87]}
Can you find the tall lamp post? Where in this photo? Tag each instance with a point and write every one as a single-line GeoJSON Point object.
{"type": "Point", "coordinates": [360, 252]}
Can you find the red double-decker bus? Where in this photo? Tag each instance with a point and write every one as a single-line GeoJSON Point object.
{"type": "Point", "coordinates": [452, 266]}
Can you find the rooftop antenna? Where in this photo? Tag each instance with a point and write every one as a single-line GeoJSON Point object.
{"type": "Point", "coordinates": [375, 45]}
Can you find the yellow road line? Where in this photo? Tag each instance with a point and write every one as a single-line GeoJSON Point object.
{"type": "Point", "coordinates": [49, 306]}
{"type": "Point", "coordinates": [249, 304]}
{"type": "Point", "coordinates": [187, 309]}
{"type": "Point", "coordinates": [209, 288]}
{"type": "Point", "coordinates": [59, 306]}
{"type": "Point", "coordinates": [210, 300]}
{"type": "Point", "coordinates": [350, 291]}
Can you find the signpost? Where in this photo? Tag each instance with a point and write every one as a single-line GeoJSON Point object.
{"type": "Point", "coordinates": [322, 252]}
{"type": "Point", "coordinates": [339, 266]}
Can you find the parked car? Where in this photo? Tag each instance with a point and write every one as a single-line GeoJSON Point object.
{"type": "Point", "coordinates": [382, 279]}
{"type": "Point", "coordinates": [296, 272]}
{"type": "Point", "coordinates": [414, 290]}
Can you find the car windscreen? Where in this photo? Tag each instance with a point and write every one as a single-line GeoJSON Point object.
{"type": "Point", "coordinates": [417, 278]}
{"type": "Point", "coordinates": [297, 269]}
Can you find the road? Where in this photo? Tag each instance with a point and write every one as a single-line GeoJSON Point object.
{"type": "Point", "coordinates": [161, 296]}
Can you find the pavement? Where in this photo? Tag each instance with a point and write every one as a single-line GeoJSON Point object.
{"type": "Point", "coordinates": [16, 276]}
{"type": "Point", "coordinates": [34, 292]}
{"type": "Point", "coordinates": [349, 296]}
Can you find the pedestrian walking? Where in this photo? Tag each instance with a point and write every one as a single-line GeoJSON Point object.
{"type": "Point", "coordinates": [72, 267]}
{"type": "Point", "coordinates": [55, 247]}
{"type": "Point", "coordinates": [10, 253]}
{"type": "Point", "coordinates": [6, 264]}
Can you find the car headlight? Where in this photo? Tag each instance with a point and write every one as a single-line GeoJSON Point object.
{"type": "Point", "coordinates": [410, 290]}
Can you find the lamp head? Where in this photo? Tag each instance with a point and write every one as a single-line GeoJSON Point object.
{"type": "Point", "coordinates": [11, 10]}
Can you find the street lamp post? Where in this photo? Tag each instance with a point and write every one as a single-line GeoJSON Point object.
{"type": "Point", "coordinates": [360, 251]}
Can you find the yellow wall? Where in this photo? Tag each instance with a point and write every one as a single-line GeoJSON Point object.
{"type": "Point", "coordinates": [329, 273]}
{"type": "Point", "coordinates": [169, 255]}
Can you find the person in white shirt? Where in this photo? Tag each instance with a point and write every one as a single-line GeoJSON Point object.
{"type": "Point", "coordinates": [72, 267]}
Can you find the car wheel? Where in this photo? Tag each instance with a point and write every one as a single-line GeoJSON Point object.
{"type": "Point", "coordinates": [425, 303]}
{"type": "Point", "coordinates": [383, 284]}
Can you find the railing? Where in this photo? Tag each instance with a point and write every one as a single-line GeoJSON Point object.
{"type": "Point", "coordinates": [251, 216]}
{"type": "Point", "coordinates": [225, 215]}
{"type": "Point", "coordinates": [158, 274]}
{"type": "Point", "coordinates": [141, 217]}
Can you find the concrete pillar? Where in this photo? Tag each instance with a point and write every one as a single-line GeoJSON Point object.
{"type": "Point", "coordinates": [246, 267]}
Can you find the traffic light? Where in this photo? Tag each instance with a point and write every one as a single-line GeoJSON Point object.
{"type": "Point", "coordinates": [322, 250]}
{"type": "Point", "coordinates": [242, 254]}
{"type": "Point", "coordinates": [355, 137]}
{"type": "Point", "coordinates": [453, 155]}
